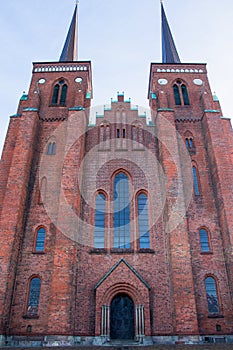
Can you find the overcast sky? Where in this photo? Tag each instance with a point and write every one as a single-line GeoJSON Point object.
{"type": "Point", "coordinates": [121, 38]}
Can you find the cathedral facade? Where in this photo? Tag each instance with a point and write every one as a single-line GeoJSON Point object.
{"type": "Point", "coordinates": [118, 227]}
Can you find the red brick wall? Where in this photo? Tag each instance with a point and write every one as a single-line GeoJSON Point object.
{"type": "Point", "coordinates": [70, 268]}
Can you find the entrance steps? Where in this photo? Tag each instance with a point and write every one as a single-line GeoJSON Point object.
{"type": "Point", "coordinates": [123, 344]}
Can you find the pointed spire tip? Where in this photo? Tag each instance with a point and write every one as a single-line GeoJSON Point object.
{"type": "Point", "coordinates": [69, 52]}
{"type": "Point", "coordinates": [169, 51]}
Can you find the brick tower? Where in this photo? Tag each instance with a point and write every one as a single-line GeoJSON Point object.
{"type": "Point", "coordinates": [117, 229]}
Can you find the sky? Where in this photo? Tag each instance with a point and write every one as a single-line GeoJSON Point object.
{"type": "Point", "coordinates": [121, 38]}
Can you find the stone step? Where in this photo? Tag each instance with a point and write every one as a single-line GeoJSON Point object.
{"type": "Point", "coordinates": [126, 347]}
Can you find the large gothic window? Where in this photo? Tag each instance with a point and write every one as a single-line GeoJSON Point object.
{"type": "Point", "coordinates": [180, 94]}
{"type": "Point", "coordinates": [59, 93]}
{"type": "Point", "coordinates": [121, 211]}
{"type": "Point", "coordinates": [34, 296]}
{"type": "Point", "coordinates": [143, 224]}
{"type": "Point", "coordinates": [99, 220]}
{"type": "Point", "coordinates": [211, 295]}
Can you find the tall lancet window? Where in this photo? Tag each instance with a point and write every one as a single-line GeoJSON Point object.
{"type": "Point", "coordinates": [59, 93]}
{"type": "Point", "coordinates": [143, 223]}
{"type": "Point", "coordinates": [55, 94]}
{"type": "Point", "coordinates": [99, 220]}
{"type": "Point", "coordinates": [177, 95]}
{"type": "Point", "coordinates": [185, 94]}
{"type": "Point", "coordinates": [121, 211]}
{"type": "Point", "coordinates": [180, 94]}
{"type": "Point", "coordinates": [195, 181]}
{"type": "Point", "coordinates": [34, 296]}
{"type": "Point", "coordinates": [40, 240]}
{"type": "Point", "coordinates": [63, 95]}
{"type": "Point", "coordinates": [204, 241]}
{"type": "Point", "coordinates": [211, 295]}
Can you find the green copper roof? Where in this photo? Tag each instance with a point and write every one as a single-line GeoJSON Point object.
{"type": "Point", "coordinates": [215, 98]}
{"type": "Point", "coordinates": [24, 97]}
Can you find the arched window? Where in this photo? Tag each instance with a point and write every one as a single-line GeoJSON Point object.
{"type": "Point", "coordinates": [143, 223]}
{"type": "Point", "coordinates": [121, 211]}
{"type": "Point", "coordinates": [185, 95]}
{"type": "Point", "coordinates": [63, 95]}
{"type": "Point", "coordinates": [177, 95]}
{"type": "Point", "coordinates": [51, 150]}
{"type": "Point", "coordinates": [180, 94]}
{"type": "Point", "coordinates": [191, 143]}
{"type": "Point", "coordinates": [34, 296]}
{"type": "Point", "coordinates": [59, 93]}
{"type": "Point", "coordinates": [211, 295]}
{"type": "Point", "coordinates": [195, 181]}
{"type": "Point", "coordinates": [54, 148]}
{"type": "Point", "coordinates": [40, 240]}
{"type": "Point", "coordinates": [204, 240]}
{"type": "Point", "coordinates": [55, 94]}
{"type": "Point", "coordinates": [99, 220]}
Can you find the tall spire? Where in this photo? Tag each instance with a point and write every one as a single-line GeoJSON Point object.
{"type": "Point", "coordinates": [169, 52]}
{"type": "Point", "coordinates": [69, 52]}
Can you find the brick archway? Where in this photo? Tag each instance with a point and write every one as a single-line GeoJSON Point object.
{"type": "Point", "coordinates": [122, 279]}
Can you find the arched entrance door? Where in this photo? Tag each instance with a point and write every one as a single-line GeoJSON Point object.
{"type": "Point", "coordinates": [122, 317]}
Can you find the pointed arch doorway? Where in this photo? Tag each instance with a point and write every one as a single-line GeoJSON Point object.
{"type": "Point", "coordinates": [122, 317]}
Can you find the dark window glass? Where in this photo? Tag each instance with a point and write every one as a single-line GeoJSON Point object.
{"type": "Point", "coordinates": [63, 95]}
{"type": "Point", "coordinates": [99, 221]}
{"type": "Point", "coordinates": [53, 148]}
{"type": "Point", "coordinates": [191, 143]}
{"type": "Point", "coordinates": [121, 211]}
{"type": "Point", "coordinates": [185, 94]}
{"type": "Point", "coordinates": [118, 133]}
{"type": "Point", "coordinates": [40, 239]}
{"type": "Point", "coordinates": [144, 234]}
{"type": "Point", "coordinates": [124, 133]}
{"type": "Point", "coordinates": [29, 329]}
{"type": "Point", "coordinates": [204, 240]}
{"type": "Point", "coordinates": [195, 181]}
{"type": "Point", "coordinates": [177, 95]}
{"type": "Point", "coordinates": [55, 94]}
{"type": "Point", "coordinates": [49, 149]}
{"type": "Point", "coordinates": [211, 294]}
{"type": "Point", "coordinates": [187, 143]}
{"type": "Point", "coordinates": [34, 296]}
